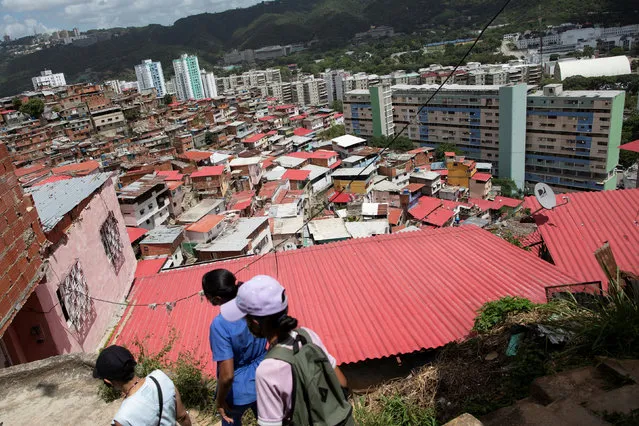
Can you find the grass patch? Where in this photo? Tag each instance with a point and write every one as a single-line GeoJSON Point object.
{"type": "Point", "coordinates": [394, 410]}
{"type": "Point", "coordinates": [495, 312]}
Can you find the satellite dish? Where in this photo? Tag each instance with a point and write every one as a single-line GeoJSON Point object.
{"type": "Point", "coordinates": [290, 246]}
{"type": "Point", "coordinates": [545, 195]}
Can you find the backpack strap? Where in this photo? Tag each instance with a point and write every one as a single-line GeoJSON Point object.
{"type": "Point", "coordinates": [160, 397]}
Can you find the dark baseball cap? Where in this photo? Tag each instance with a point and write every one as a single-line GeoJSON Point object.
{"type": "Point", "coordinates": [114, 363]}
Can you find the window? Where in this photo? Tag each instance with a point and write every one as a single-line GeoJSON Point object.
{"type": "Point", "coordinates": [73, 295]}
{"type": "Point", "coordinates": [110, 235]}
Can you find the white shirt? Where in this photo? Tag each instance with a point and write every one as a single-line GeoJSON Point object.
{"type": "Point", "coordinates": [143, 407]}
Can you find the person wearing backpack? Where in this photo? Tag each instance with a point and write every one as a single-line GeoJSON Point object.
{"type": "Point", "coordinates": [298, 383]}
{"type": "Point", "coordinates": [235, 350]}
{"type": "Point", "coordinates": [148, 401]}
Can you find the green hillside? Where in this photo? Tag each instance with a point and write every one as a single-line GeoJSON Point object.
{"type": "Point", "coordinates": [330, 22]}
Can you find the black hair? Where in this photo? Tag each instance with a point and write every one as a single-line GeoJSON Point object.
{"type": "Point", "coordinates": [220, 283]}
{"type": "Point", "coordinates": [280, 323]}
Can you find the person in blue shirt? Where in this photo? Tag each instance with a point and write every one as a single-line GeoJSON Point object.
{"type": "Point", "coordinates": [235, 350]}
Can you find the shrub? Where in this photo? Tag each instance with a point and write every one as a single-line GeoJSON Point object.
{"type": "Point", "coordinates": [394, 410]}
{"type": "Point", "coordinates": [495, 312]}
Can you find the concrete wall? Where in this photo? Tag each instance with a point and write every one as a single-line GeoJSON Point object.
{"type": "Point", "coordinates": [85, 245]}
{"type": "Point", "coordinates": [512, 133]}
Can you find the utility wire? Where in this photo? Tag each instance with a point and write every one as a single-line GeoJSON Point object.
{"type": "Point", "coordinates": [171, 304]}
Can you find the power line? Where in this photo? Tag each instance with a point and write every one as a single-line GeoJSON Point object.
{"type": "Point", "coordinates": [170, 304]}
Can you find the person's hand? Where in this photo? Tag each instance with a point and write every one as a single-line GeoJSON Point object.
{"type": "Point", "coordinates": [223, 408]}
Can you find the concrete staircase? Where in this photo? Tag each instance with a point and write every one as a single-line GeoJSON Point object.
{"type": "Point", "coordinates": [578, 397]}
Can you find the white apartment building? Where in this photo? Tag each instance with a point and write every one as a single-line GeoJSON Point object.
{"type": "Point", "coordinates": [208, 84]}
{"type": "Point", "coordinates": [47, 79]}
{"type": "Point", "coordinates": [149, 75]}
{"type": "Point", "coordinates": [145, 202]}
{"type": "Point", "coordinates": [188, 82]}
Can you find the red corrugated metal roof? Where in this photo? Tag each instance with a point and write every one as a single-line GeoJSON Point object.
{"type": "Point", "coordinates": [197, 155]}
{"type": "Point", "coordinates": [296, 175]}
{"type": "Point", "coordinates": [205, 224]}
{"type": "Point", "coordinates": [505, 201]}
{"type": "Point", "coordinates": [341, 294]}
{"type": "Point", "coordinates": [425, 205]}
{"type": "Point", "coordinates": [300, 131]}
{"type": "Point", "coordinates": [254, 138]}
{"type": "Point", "coordinates": [335, 165]}
{"type": "Point", "coordinates": [340, 197]}
{"type": "Point", "coordinates": [481, 204]}
{"type": "Point", "coordinates": [439, 217]}
{"type": "Point", "coordinates": [394, 215]}
{"type": "Point", "coordinates": [449, 154]}
{"type": "Point", "coordinates": [267, 118]}
{"type": "Point", "coordinates": [271, 133]}
{"type": "Point", "coordinates": [482, 177]}
{"type": "Point", "coordinates": [442, 172]}
{"type": "Point", "coordinates": [171, 175]}
{"type": "Point", "coordinates": [208, 171]}
{"type": "Point", "coordinates": [23, 171]}
{"type": "Point", "coordinates": [242, 205]}
{"type": "Point", "coordinates": [631, 146]}
{"type": "Point", "coordinates": [414, 187]}
{"type": "Point", "coordinates": [52, 179]}
{"type": "Point", "coordinates": [173, 185]}
{"type": "Point", "coordinates": [148, 267]}
{"type": "Point", "coordinates": [135, 233]}
{"type": "Point", "coordinates": [78, 169]}
{"type": "Point", "coordinates": [573, 231]}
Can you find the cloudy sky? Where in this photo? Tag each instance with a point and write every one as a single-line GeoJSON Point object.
{"type": "Point", "coordinates": [22, 17]}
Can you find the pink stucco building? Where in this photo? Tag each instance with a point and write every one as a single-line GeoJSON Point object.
{"type": "Point", "coordinates": [88, 257]}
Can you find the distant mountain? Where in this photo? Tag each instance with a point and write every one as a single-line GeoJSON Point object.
{"type": "Point", "coordinates": [331, 22]}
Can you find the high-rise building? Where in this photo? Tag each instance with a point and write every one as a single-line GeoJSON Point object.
{"type": "Point", "coordinates": [369, 113]}
{"type": "Point", "coordinates": [567, 139]}
{"type": "Point", "coordinates": [47, 79]}
{"type": "Point", "coordinates": [208, 84]}
{"type": "Point", "coordinates": [188, 82]}
{"type": "Point", "coordinates": [149, 75]}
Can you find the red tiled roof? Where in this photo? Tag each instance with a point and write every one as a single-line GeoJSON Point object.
{"type": "Point", "coordinates": [267, 118]}
{"type": "Point", "coordinates": [414, 187]}
{"type": "Point", "coordinates": [22, 171]}
{"type": "Point", "coordinates": [573, 231]}
{"type": "Point", "coordinates": [343, 197]}
{"type": "Point", "coordinates": [77, 169]}
{"type": "Point", "coordinates": [135, 233]}
{"type": "Point", "coordinates": [173, 184]}
{"type": "Point", "coordinates": [205, 224]}
{"type": "Point", "coordinates": [241, 205]}
{"type": "Point", "coordinates": [440, 216]}
{"type": "Point", "coordinates": [208, 171]}
{"type": "Point", "coordinates": [52, 179]}
{"type": "Point", "coordinates": [482, 177]}
{"type": "Point", "coordinates": [394, 215]}
{"type": "Point", "coordinates": [148, 267]}
{"type": "Point", "coordinates": [170, 175]}
{"type": "Point", "coordinates": [254, 138]}
{"type": "Point", "coordinates": [425, 205]}
{"type": "Point", "coordinates": [300, 131]}
{"type": "Point", "coordinates": [630, 146]}
{"type": "Point", "coordinates": [197, 155]}
{"type": "Point", "coordinates": [325, 283]}
{"type": "Point", "coordinates": [296, 175]}
{"type": "Point", "coordinates": [271, 133]}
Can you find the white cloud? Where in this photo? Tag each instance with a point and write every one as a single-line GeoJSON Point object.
{"type": "Point", "coordinates": [31, 5]}
{"type": "Point", "coordinates": [16, 29]}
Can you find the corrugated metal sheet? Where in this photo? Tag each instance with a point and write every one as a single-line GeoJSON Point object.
{"type": "Point", "coordinates": [148, 267]}
{"type": "Point", "coordinates": [367, 298]}
{"type": "Point", "coordinates": [55, 199]}
{"type": "Point", "coordinates": [135, 233]}
{"type": "Point", "coordinates": [572, 232]}
{"type": "Point", "coordinates": [630, 146]}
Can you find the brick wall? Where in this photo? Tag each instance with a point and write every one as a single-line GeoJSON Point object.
{"type": "Point", "coordinates": [21, 238]}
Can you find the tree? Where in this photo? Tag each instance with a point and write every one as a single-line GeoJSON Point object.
{"type": "Point", "coordinates": [589, 51]}
{"type": "Point", "coordinates": [401, 143]}
{"type": "Point", "coordinates": [208, 138]}
{"type": "Point", "coordinates": [508, 186]}
{"type": "Point", "coordinates": [337, 105]}
{"type": "Point", "coordinates": [167, 99]}
{"type": "Point", "coordinates": [34, 108]}
{"type": "Point", "coordinates": [442, 148]}
{"type": "Point", "coordinates": [131, 114]}
{"type": "Point", "coordinates": [17, 103]}
{"type": "Point", "coordinates": [554, 57]}
{"type": "Point", "coordinates": [332, 133]}
{"type": "Point", "coordinates": [629, 133]}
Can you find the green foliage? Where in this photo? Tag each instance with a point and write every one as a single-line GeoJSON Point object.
{"type": "Point", "coordinates": [337, 105]}
{"type": "Point", "coordinates": [589, 51]}
{"type": "Point", "coordinates": [442, 148]}
{"type": "Point", "coordinates": [508, 187]}
{"type": "Point", "coordinates": [34, 108]}
{"type": "Point", "coordinates": [167, 99]}
{"type": "Point", "coordinates": [394, 411]}
{"type": "Point", "coordinates": [401, 143]}
{"type": "Point", "coordinates": [332, 132]}
{"type": "Point", "coordinates": [108, 394]}
{"type": "Point", "coordinates": [208, 138]}
{"type": "Point", "coordinates": [495, 312]}
{"type": "Point", "coordinates": [17, 103]}
{"type": "Point", "coordinates": [131, 114]}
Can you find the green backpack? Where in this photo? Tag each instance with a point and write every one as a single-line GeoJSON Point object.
{"type": "Point", "coordinates": [318, 398]}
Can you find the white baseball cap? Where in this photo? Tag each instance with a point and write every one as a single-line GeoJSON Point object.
{"type": "Point", "coordinates": [260, 296]}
